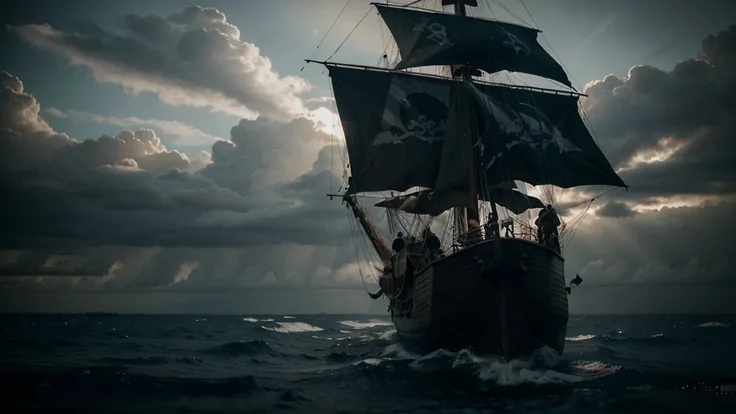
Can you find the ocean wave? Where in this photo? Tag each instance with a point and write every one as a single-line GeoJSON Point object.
{"type": "Point", "coordinates": [254, 320]}
{"type": "Point", "coordinates": [397, 351]}
{"type": "Point", "coordinates": [292, 327]}
{"type": "Point", "coordinates": [714, 325]}
{"type": "Point", "coordinates": [339, 357]}
{"type": "Point", "coordinates": [536, 370]}
{"type": "Point", "coordinates": [369, 361]}
{"type": "Point", "coordinates": [594, 368]}
{"type": "Point", "coordinates": [254, 347]}
{"type": "Point", "coordinates": [519, 372]}
{"type": "Point", "coordinates": [388, 336]}
{"type": "Point", "coordinates": [580, 338]}
{"type": "Point", "coordinates": [156, 360]}
{"type": "Point", "coordinates": [365, 325]}
{"type": "Point", "coordinates": [655, 339]}
{"type": "Point", "coordinates": [142, 384]}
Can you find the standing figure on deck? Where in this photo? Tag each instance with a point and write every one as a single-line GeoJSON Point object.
{"type": "Point", "coordinates": [547, 224]}
{"type": "Point", "coordinates": [538, 223]}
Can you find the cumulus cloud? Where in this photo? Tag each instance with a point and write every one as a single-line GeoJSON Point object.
{"type": "Point", "coordinates": [193, 58]}
{"type": "Point", "coordinates": [132, 190]}
{"type": "Point", "coordinates": [149, 217]}
{"type": "Point", "coordinates": [667, 246]}
{"type": "Point", "coordinates": [670, 135]}
{"type": "Point", "coordinates": [253, 215]}
{"type": "Point", "coordinates": [615, 209]}
{"type": "Point", "coordinates": [179, 133]}
{"type": "Point", "coordinates": [670, 132]}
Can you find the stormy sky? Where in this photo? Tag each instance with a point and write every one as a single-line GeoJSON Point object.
{"type": "Point", "coordinates": [171, 158]}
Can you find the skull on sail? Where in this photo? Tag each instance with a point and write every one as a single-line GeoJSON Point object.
{"type": "Point", "coordinates": [536, 132]}
{"type": "Point", "coordinates": [413, 109]}
{"type": "Point", "coordinates": [512, 41]}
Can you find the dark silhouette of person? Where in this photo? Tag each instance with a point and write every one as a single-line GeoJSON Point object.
{"type": "Point", "coordinates": [538, 223]}
{"type": "Point", "coordinates": [549, 221]}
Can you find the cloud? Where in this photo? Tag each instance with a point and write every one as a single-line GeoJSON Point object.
{"type": "Point", "coordinates": [671, 132]}
{"type": "Point", "coordinates": [127, 214]}
{"type": "Point", "coordinates": [252, 215]}
{"type": "Point", "coordinates": [615, 209]}
{"type": "Point", "coordinates": [193, 58]}
{"type": "Point", "coordinates": [668, 246]}
{"type": "Point", "coordinates": [132, 190]}
{"type": "Point", "coordinates": [181, 134]}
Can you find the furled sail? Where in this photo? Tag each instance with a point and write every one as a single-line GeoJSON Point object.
{"type": "Point", "coordinates": [426, 38]}
{"type": "Point", "coordinates": [394, 126]}
{"type": "Point", "coordinates": [538, 138]}
{"type": "Point", "coordinates": [435, 203]}
{"type": "Point", "coordinates": [457, 170]}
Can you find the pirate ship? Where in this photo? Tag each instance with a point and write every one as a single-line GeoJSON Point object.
{"type": "Point", "coordinates": [460, 149]}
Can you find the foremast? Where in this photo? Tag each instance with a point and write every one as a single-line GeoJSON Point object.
{"type": "Point", "coordinates": [466, 72]}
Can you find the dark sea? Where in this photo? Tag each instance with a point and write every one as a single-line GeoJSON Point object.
{"type": "Point", "coordinates": [354, 364]}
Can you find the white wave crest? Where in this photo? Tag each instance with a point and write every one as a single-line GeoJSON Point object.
{"type": "Point", "coordinates": [517, 372]}
{"type": "Point", "coordinates": [254, 320]}
{"type": "Point", "coordinates": [289, 317]}
{"type": "Point", "coordinates": [580, 337]}
{"type": "Point", "coordinates": [388, 335]}
{"type": "Point", "coordinates": [714, 325]}
{"type": "Point", "coordinates": [365, 325]}
{"type": "Point", "coordinates": [397, 351]}
{"type": "Point", "coordinates": [535, 370]}
{"type": "Point", "coordinates": [594, 368]}
{"type": "Point", "coordinates": [369, 361]}
{"type": "Point", "coordinates": [292, 327]}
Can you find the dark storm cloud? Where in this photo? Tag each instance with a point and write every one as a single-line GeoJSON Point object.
{"type": "Point", "coordinates": [193, 58]}
{"type": "Point", "coordinates": [683, 117]}
{"type": "Point", "coordinates": [615, 209]}
{"type": "Point", "coordinates": [671, 134]}
{"type": "Point", "coordinates": [254, 214]}
{"type": "Point", "coordinates": [132, 190]}
{"type": "Point", "coordinates": [52, 263]}
{"type": "Point", "coordinates": [677, 245]}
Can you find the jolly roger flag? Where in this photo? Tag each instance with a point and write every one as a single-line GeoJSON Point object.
{"type": "Point", "coordinates": [538, 138]}
{"type": "Point", "coordinates": [428, 39]}
{"type": "Point", "coordinates": [394, 126]}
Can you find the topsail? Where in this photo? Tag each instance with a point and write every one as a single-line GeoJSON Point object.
{"type": "Point", "coordinates": [427, 38]}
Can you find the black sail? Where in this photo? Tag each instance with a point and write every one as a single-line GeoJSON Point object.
{"type": "Point", "coordinates": [538, 138]}
{"type": "Point", "coordinates": [435, 203]}
{"type": "Point", "coordinates": [457, 168]}
{"type": "Point", "coordinates": [427, 39]}
{"type": "Point", "coordinates": [394, 126]}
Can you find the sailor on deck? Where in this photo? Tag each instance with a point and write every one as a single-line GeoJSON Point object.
{"type": "Point", "coordinates": [547, 224]}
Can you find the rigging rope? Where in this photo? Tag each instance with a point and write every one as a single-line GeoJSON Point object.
{"type": "Point", "coordinates": [576, 224]}
{"type": "Point", "coordinates": [328, 32]}
{"type": "Point", "coordinates": [353, 229]}
{"type": "Point", "coordinates": [349, 34]}
{"type": "Point", "coordinates": [503, 6]}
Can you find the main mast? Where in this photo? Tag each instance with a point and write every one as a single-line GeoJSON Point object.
{"type": "Point", "coordinates": [466, 73]}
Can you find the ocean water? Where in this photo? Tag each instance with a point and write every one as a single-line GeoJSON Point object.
{"type": "Point", "coordinates": [354, 364]}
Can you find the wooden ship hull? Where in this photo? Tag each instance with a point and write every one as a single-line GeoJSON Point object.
{"type": "Point", "coordinates": [470, 300]}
